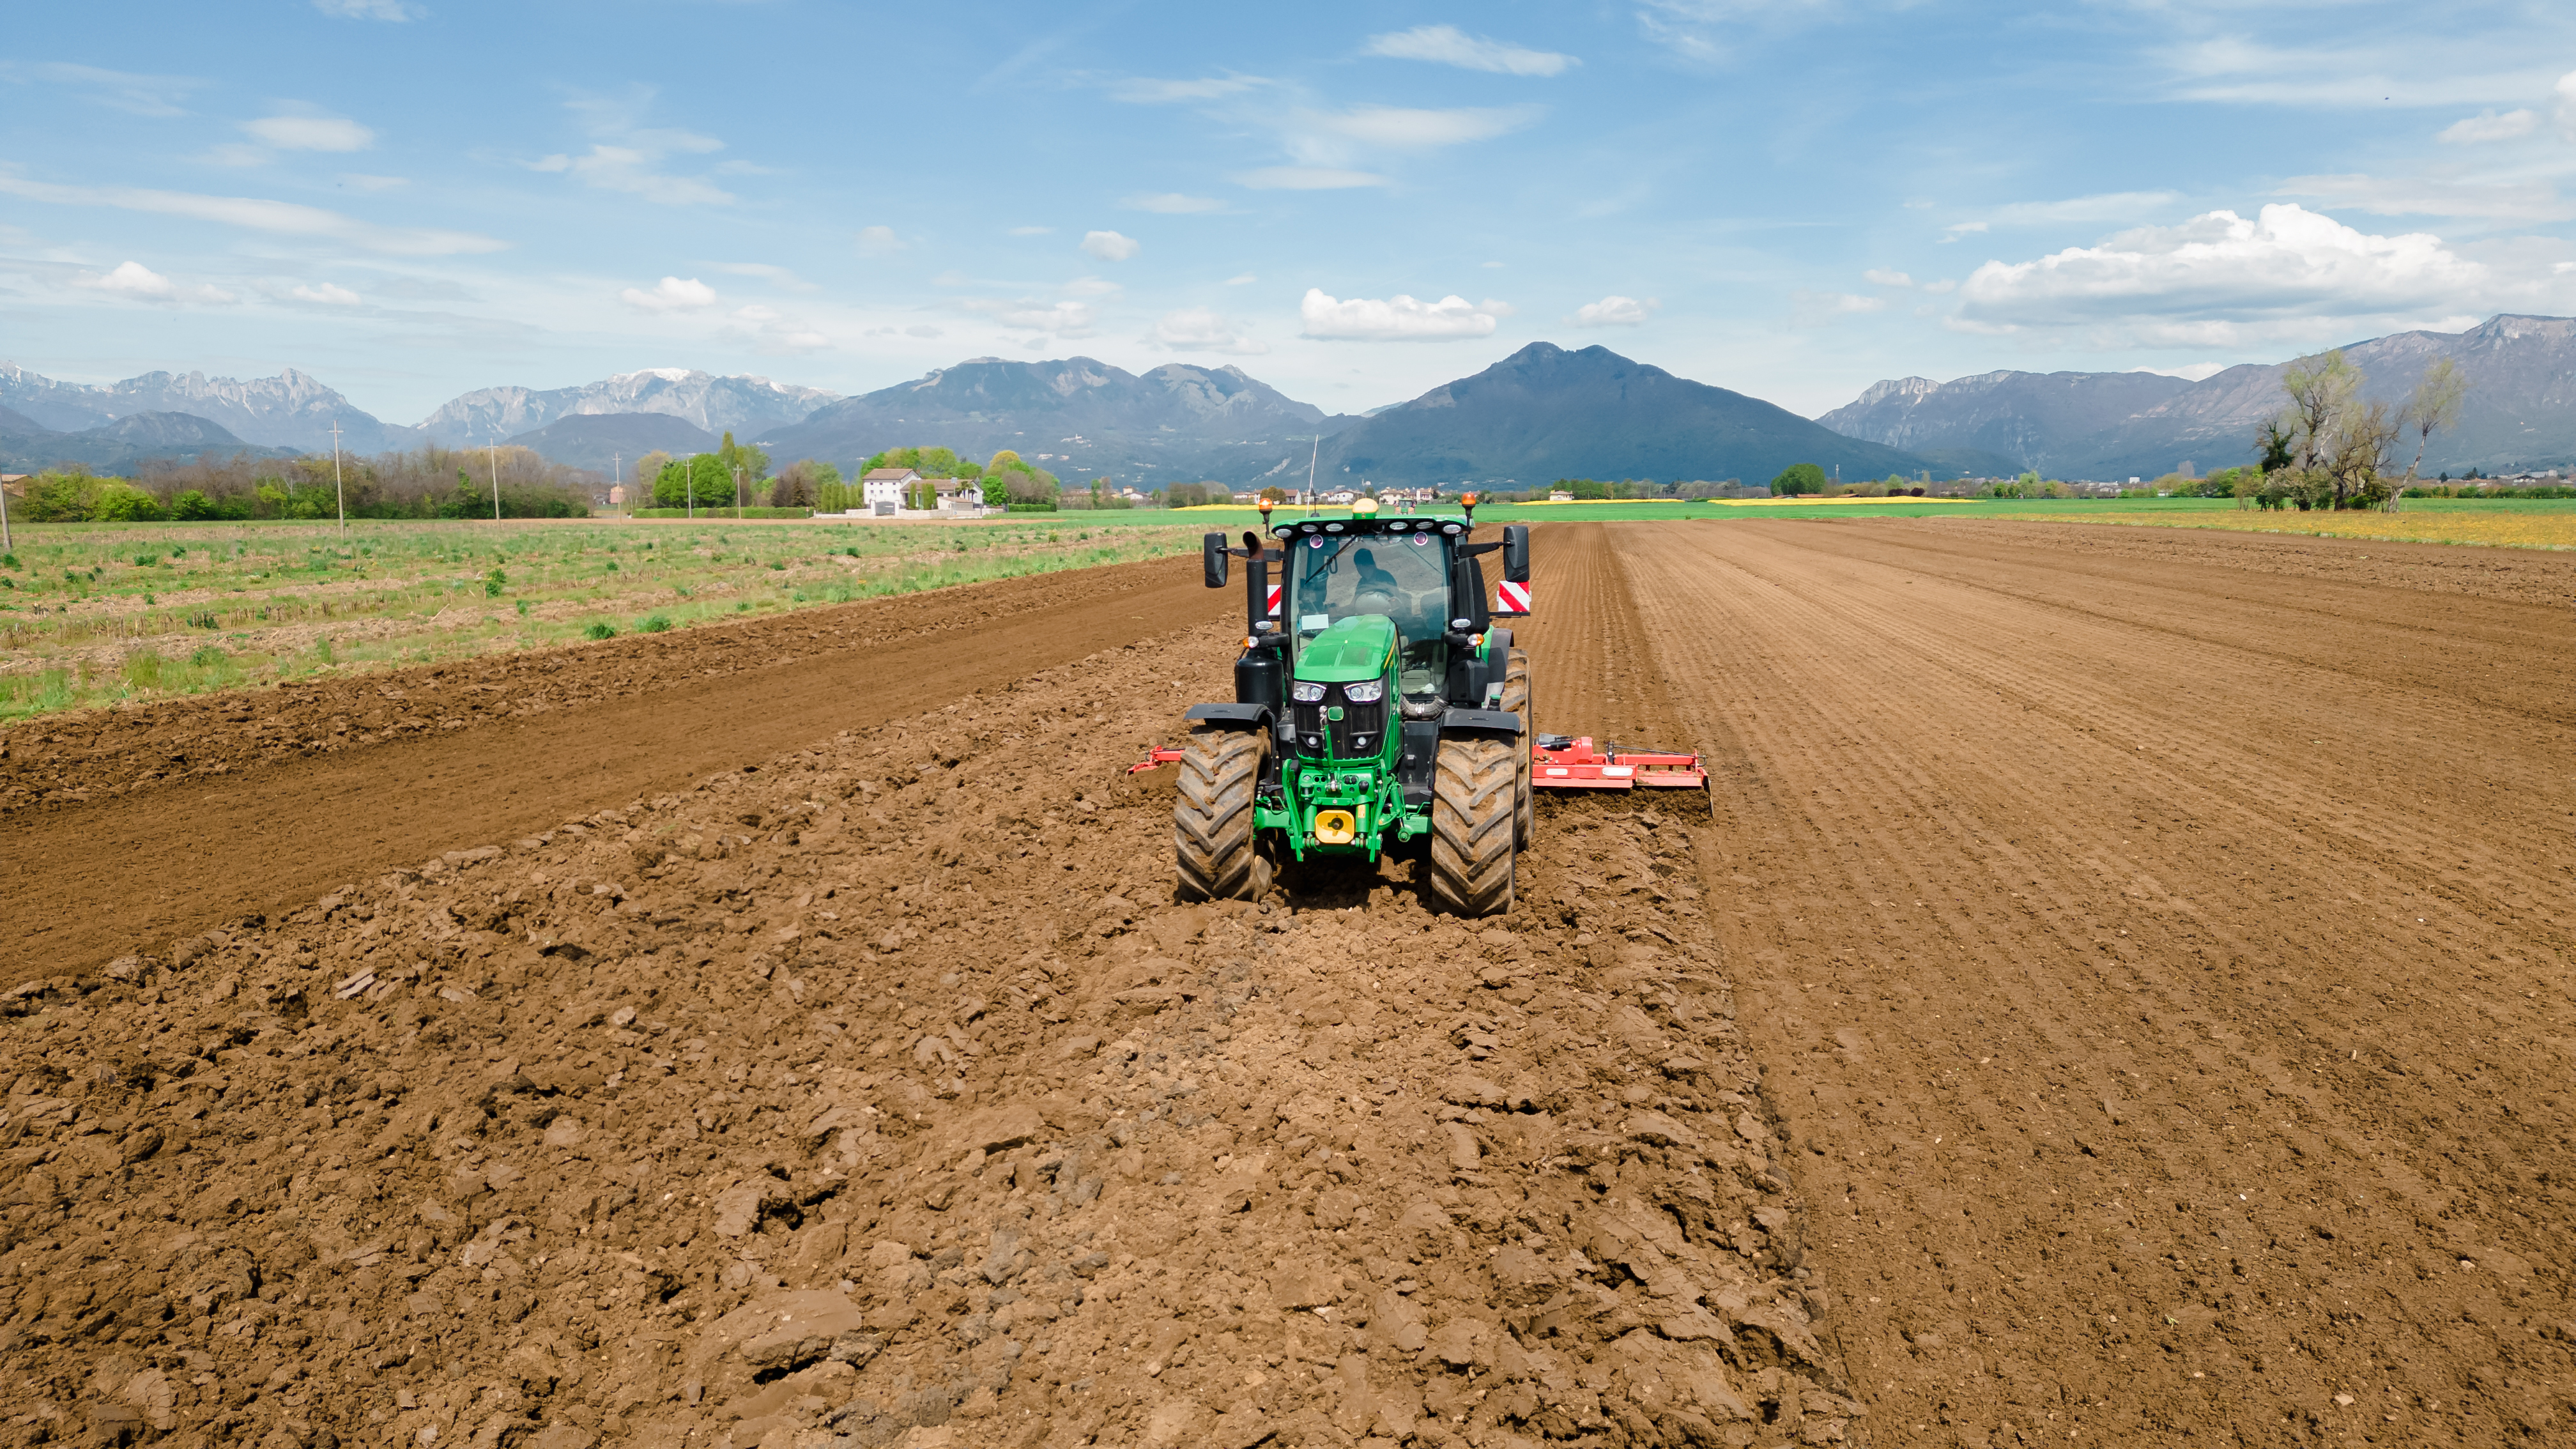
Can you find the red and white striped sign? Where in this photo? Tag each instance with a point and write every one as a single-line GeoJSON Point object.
{"type": "Point", "coordinates": [1274, 600]}
{"type": "Point", "coordinates": [1515, 598]}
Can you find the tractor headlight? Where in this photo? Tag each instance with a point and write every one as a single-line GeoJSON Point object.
{"type": "Point", "coordinates": [1366, 692]}
{"type": "Point", "coordinates": [1306, 693]}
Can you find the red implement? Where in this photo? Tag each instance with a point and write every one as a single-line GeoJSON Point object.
{"type": "Point", "coordinates": [1162, 755]}
{"type": "Point", "coordinates": [1558, 763]}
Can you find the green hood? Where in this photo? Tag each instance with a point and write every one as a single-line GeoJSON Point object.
{"type": "Point", "coordinates": [1352, 649]}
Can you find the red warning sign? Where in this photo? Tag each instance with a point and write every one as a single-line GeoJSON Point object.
{"type": "Point", "coordinates": [1274, 600]}
{"type": "Point", "coordinates": [1515, 599]}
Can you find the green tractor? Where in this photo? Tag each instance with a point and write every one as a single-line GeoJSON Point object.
{"type": "Point", "coordinates": [1376, 704]}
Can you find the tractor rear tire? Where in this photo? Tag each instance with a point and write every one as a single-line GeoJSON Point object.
{"type": "Point", "coordinates": [1516, 700]}
{"type": "Point", "coordinates": [1214, 850]}
{"type": "Point", "coordinates": [1474, 814]}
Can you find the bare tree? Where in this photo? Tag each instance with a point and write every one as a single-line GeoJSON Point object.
{"type": "Point", "coordinates": [2435, 405]}
{"type": "Point", "coordinates": [2321, 387]}
{"type": "Point", "coordinates": [2365, 434]}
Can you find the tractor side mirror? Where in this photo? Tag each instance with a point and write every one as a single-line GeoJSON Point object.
{"type": "Point", "coordinates": [1516, 553]}
{"type": "Point", "coordinates": [1212, 550]}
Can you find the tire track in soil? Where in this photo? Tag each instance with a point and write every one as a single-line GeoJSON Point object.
{"type": "Point", "coordinates": [529, 740]}
{"type": "Point", "coordinates": [2135, 1102]}
{"type": "Point", "coordinates": [870, 1098]}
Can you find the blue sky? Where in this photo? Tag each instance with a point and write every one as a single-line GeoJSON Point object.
{"type": "Point", "coordinates": [412, 198]}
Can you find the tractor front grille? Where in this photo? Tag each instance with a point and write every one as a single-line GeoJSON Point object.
{"type": "Point", "coordinates": [1359, 732]}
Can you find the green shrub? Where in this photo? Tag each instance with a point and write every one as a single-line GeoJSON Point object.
{"type": "Point", "coordinates": [143, 669]}
{"type": "Point", "coordinates": [599, 631]}
{"type": "Point", "coordinates": [523, 608]}
{"type": "Point", "coordinates": [653, 624]}
{"type": "Point", "coordinates": [206, 654]}
{"type": "Point", "coordinates": [146, 560]}
{"type": "Point", "coordinates": [493, 583]}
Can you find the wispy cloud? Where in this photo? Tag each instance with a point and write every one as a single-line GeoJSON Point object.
{"type": "Point", "coordinates": [2418, 196]}
{"type": "Point", "coordinates": [627, 157]}
{"type": "Point", "coordinates": [281, 218]}
{"type": "Point", "coordinates": [328, 294]}
{"type": "Point", "coordinates": [766, 272]}
{"type": "Point", "coordinates": [360, 182]}
{"type": "Point", "coordinates": [878, 241]}
{"type": "Point", "coordinates": [392, 10]}
{"type": "Point", "coordinates": [1109, 246]}
{"type": "Point", "coordinates": [1146, 92]}
{"type": "Point", "coordinates": [1203, 329]}
{"type": "Point", "coordinates": [1814, 309]}
{"type": "Point", "coordinates": [1448, 45]}
{"type": "Point", "coordinates": [1396, 319]}
{"type": "Point", "coordinates": [1243, 279]}
{"type": "Point", "coordinates": [1403, 128]}
{"type": "Point", "coordinates": [1880, 277]}
{"type": "Point", "coordinates": [2487, 126]}
{"type": "Point", "coordinates": [1032, 231]}
{"type": "Point", "coordinates": [130, 91]}
{"type": "Point", "coordinates": [1060, 319]}
{"type": "Point", "coordinates": [1173, 203]}
{"type": "Point", "coordinates": [1308, 178]}
{"type": "Point", "coordinates": [311, 133]}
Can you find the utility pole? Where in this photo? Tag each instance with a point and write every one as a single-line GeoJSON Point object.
{"type": "Point", "coordinates": [616, 478]}
{"type": "Point", "coordinates": [336, 485]}
{"type": "Point", "coordinates": [737, 493]}
{"type": "Point", "coordinates": [493, 446]}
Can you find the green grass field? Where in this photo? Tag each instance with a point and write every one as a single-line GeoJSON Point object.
{"type": "Point", "coordinates": [95, 613]}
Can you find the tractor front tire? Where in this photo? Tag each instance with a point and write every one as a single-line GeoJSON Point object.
{"type": "Point", "coordinates": [1214, 852]}
{"type": "Point", "coordinates": [1516, 700]}
{"type": "Point", "coordinates": [1474, 817]}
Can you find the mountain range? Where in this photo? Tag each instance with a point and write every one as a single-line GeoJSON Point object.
{"type": "Point", "coordinates": [1173, 424]}
{"type": "Point", "coordinates": [1545, 413]}
{"type": "Point", "coordinates": [1542, 413]}
{"type": "Point", "coordinates": [2521, 375]}
{"type": "Point", "coordinates": [27, 445]}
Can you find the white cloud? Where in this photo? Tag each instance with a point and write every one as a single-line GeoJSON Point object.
{"type": "Point", "coordinates": [1091, 286]}
{"type": "Point", "coordinates": [1307, 178]}
{"type": "Point", "coordinates": [2517, 201]}
{"type": "Point", "coordinates": [767, 273]}
{"type": "Point", "coordinates": [1397, 319]}
{"type": "Point", "coordinates": [1026, 230]}
{"type": "Point", "coordinates": [237, 153]}
{"type": "Point", "coordinates": [2375, 68]}
{"type": "Point", "coordinates": [2488, 126]}
{"type": "Point", "coordinates": [923, 329]}
{"type": "Point", "coordinates": [1614, 311]}
{"type": "Point", "coordinates": [1958, 229]}
{"type": "Point", "coordinates": [1880, 277]}
{"type": "Point", "coordinates": [1063, 319]}
{"type": "Point", "coordinates": [137, 282]}
{"type": "Point", "coordinates": [877, 241]}
{"type": "Point", "coordinates": [671, 294]}
{"type": "Point", "coordinates": [1812, 309]}
{"type": "Point", "coordinates": [1946, 284]}
{"type": "Point", "coordinates": [1173, 203]}
{"type": "Point", "coordinates": [1244, 279]}
{"type": "Point", "coordinates": [630, 169]}
{"type": "Point", "coordinates": [2114, 206]}
{"type": "Point", "coordinates": [1165, 92]}
{"type": "Point", "coordinates": [359, 181]}
{"type": "Point", "coordinates": [2566, 93]}
{"type": "Point", "coordinates": [278, 217]}
{"type": "Point", "coordinates": [394, 10]}
{"type": "Point", "coordinates": [328, 294]}
{"type": "Point", "coordinates": [2220, 268]}
{"type": "Point", "coordinates": [1448, 45]}
{"type": "Point", "coordinates": [1403, 128]}
{"type": "Point", "coordinates": [1109, 246]}
{"type": "Point", "coordinates": [1202, 329]}
{"type": "Point", "coordinates": [130, 91]}
{"type": "Point", "coordinates": [311, 133]}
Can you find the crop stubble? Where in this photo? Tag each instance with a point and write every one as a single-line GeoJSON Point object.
{"type": "Point", "coordinates": [2070, 891]}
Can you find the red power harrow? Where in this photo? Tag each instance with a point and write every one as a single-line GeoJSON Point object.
{"type": "Point", "coordinates": [1560, 763]}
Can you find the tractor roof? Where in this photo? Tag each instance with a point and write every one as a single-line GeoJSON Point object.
{"type": "Point", "coordinates": [1453, 527]}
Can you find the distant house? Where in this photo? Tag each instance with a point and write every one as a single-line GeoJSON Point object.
{"type": "Point", "coordinates": [889, 486]}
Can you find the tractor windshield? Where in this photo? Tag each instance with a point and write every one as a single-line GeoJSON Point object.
{"type": "Point", "coordinates": [1403, 577]}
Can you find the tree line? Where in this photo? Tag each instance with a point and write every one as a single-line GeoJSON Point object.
{"type": "Point", "coordinates": [429, 482]}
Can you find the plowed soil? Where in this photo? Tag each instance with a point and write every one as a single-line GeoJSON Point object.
{"type": "Point", "coordinates": [2122, 997]}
